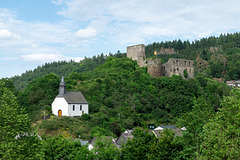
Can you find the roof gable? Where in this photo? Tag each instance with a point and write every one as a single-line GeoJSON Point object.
{"type": "Point", "coordinates": [74, 97]}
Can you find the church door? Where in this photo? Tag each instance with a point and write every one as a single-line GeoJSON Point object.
{"type": "Point", "coordinates": [82, 112]}
{"type": "Point", "coordinates": [60, 112]}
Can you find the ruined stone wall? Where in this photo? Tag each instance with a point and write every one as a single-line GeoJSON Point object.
{"type": "Point", "coordinates": [215, 49]}
{"type": "Point", "coordinates": [137, 52]}
{"type": "Point", "coordinates": [154, 67]}
{"type": "Point", "coordinates": [167, 51]}
{"type": "Point", "coordinates": [177, 67]}
{"type": "Point", "coordinates": [201, 64]}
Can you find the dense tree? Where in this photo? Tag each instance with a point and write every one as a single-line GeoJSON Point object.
{"type": "Point", "coordinates": [63, 148]}
{"type": "Point", "coordinates": [221, 133]}
{"type": "Point", "coordinates": [104, 149]}
{"type": "Point", "coordinates": [146, 145]}
{"type": "Point", "coordinates": [194, 122]}
{"type": "Point", "coordinates": [15, 123]}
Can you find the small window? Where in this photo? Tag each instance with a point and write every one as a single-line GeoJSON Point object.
{"type": "Point", "coordinates": [73, 107]}
{"type": "Point", "coordinates": [80, 107]}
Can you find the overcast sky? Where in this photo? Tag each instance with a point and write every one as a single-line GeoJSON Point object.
{"type": "Point", "coordinates": [33, 32]}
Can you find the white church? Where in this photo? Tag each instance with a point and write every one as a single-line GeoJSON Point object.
{"type": "Point", "coordinates": [69, 103]}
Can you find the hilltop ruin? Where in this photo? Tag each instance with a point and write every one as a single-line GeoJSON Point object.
{"type": "Point", "coordinates": [156, 68]}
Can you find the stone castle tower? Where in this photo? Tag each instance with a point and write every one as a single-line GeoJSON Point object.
{"type": "Point", "coordinates": [156, 69]}
{"type": "Point", "coordinates": [137, 52]}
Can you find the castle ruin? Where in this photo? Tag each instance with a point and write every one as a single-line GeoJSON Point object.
{"type": "Point", "coordinates": [156, 68]}
{"type": "Point", "coordinates": [137, 52]}
{"type": "Point", "coordinates": [167, 51]}
{"type": "Point", "coordinates": [177, 67]}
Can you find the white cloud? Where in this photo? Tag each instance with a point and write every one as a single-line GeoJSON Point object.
{"type": "Point", "coordinates": [86, 33]}
{"type": "Point", "coordinates": [6, 34]}
{"type": "Point", "coordinates": [42, 58]}
{"type": "Point", "coordinates": [157, 18]}
{"type": "Point", "coordinates": [58, 2]}
{"type": "Point", "coordinates": [84, 10]}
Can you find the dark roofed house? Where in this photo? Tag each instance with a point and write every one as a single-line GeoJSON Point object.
{"type": "Point", "coordinates": [109, 139]}
{"type": "Point", "coordinates": [69, 103]}
{"type": "Point", "coordinates": [127, 135]}
{"type": "Point", "coordinates": [157, 131]}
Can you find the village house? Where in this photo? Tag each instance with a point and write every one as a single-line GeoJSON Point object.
{"type": "Point", "coordinates": [233, 83]}
{"type": "Point", "coordinates": [69, 103]}
{"type": "Point", "coordinates": [108, 139]}
{"type": "Point", "coordinates": [125, 136]}
{"type": "Point", "coordinates": [159, 130]}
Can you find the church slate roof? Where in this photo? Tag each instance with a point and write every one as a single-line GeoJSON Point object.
{"type": "Point", "coordinates": [74, 97]}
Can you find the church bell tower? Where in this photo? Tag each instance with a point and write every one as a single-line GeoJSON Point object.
{"type": "Point", "coordinates": [62, 87]}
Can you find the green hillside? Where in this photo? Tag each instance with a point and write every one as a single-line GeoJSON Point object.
{"type": "Point", "coordinates": [61, 68]}
{"type": "Point", "coordinates": [122, 96]}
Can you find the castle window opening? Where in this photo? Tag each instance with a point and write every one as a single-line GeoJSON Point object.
{"type": "Point", "coordinates": [185, 62]}
{"type": "Point", "coordinates": [177, 69]}
{"type": "Point", "coordinates": [189, 63]}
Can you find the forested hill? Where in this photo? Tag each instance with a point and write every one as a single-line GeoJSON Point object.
{"type": "Point", "coordinates": [205, 47]}
{"type": "Point", "coordinates": [214, 56]}
{"type": "Point", "coordinates": [122, 95]}
{"type": "Point", "coordinates": [62, 68]}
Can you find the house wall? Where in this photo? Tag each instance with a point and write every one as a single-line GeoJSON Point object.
{"type": "Point", "coordinates": [77, 111]}
{"type": "Point", "coordinates": [60, 103]}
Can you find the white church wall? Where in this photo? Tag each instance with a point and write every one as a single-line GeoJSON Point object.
{"type": "Point", "coordinates": [78, 110]}
{"type": "Point", "coordinates": [60, 103]}
{"type": "Point", "coordinates": [85, 108]}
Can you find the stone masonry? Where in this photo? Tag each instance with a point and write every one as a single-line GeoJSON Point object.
{"type": "Point", "coordinates": [177, 67]}
{"type": "Point", "coordinates": [155, 68]}
{"type": "Point", "coordinates": [167, 51]}
{"type": "Point", "coordinates": [137, 52]}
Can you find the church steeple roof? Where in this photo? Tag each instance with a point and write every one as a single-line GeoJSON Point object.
{"type": "Point", "coordinates": [62, 87]}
